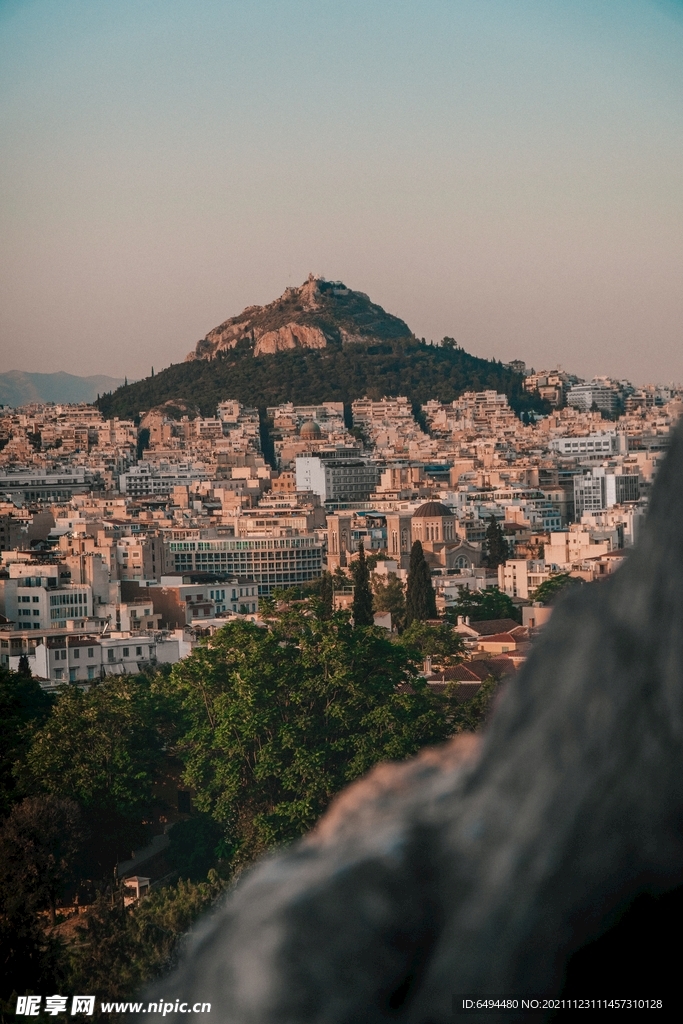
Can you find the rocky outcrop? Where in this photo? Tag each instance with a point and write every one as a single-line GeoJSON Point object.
{"type": "Point", "coordinates": [287, 337]}
{"type": "Point", "coordinates": [481, 870]}
{"type": "Point", "coordinates": [314, 315]}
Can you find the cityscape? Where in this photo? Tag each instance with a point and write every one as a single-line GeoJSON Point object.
{"type": "Point", "coordinates": [131, 540]}
{"type": "Point", "coordinates": [341, 476]}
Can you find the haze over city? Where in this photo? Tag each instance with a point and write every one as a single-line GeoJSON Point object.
{"type": "Point", "coordinates": [505, 173]}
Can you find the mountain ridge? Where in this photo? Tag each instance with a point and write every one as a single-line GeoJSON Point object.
{"type": "Point", "coordinates": [18, 387]}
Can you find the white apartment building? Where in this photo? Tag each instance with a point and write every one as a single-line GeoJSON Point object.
{"type": "Point", "coordinates": [148, 478]}
{"type": "Point", "coordinates": [520, 577]}
{"type": "Point", "coordinates": [85, 659]}
{"type": "Point", "coordinates": [600, 444]}
{"type": "Point", "coordinates": [603, 487]}
{"type": "Point", "coordinates": [43, 602]}
{"type": "Point", "coordinates": [46, 485]}
{"type": "Point", "coordinates": [337, 476]}
{"type": "Point", "coordinates": [585, 396]}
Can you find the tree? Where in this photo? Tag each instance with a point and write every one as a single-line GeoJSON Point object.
{"type": "Point", "coordinates": [362, 595]}
{"type": "Point", "coordinates": [389, 596]}
{"type": "Point", "coordinates": [551, 588]}
{"type": "Point", "coordinates": [100, 747]}
{"type": "Point", "coordinates": [272, 723]}
{"type": "Point", "coordinates": [192, 846]}
{"type": "Point", "coordinates": [24, 706]}
{"type": "Point", "coordinates": [420, 597]}
{"type": "Point", "coordinates": [326, 596]}
{"type": "Point", "coordinates": [24, 668]}
{"type": "Point", "coordinates": [482, 605]}
{"type": "Point", "coordinates": [117, 949]}
{"type": "Point", "coordinates": [440, 642]}
{"type": "Point", "coordinates": [495, 545]}
{"type": "Point", "coordinates": [38, 846]}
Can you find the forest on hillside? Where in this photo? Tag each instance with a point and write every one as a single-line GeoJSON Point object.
{"type": "Point", "coordinates": [334, 374]}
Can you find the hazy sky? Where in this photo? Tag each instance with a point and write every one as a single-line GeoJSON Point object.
{"type": "Point", "coordinates": [509, 172]}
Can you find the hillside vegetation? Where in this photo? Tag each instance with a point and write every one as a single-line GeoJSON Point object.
{"type": "Point", "coordinates": [307, 376]}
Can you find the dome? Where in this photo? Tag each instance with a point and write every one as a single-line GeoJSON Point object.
{"type": "Point", "coordinates": [310, 429]}
{"type": "Point", "coordinates": [432, 510]}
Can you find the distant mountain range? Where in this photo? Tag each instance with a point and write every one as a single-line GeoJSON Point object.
{"type": "Point", "coordinates": [319, 342]}
{"type": "Point", "coordinates": [19, 388]}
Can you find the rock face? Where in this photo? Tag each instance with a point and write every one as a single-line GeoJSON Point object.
{"type": "Point", "coordinates": [289, 336]}
{"type": "Point", "coordinates": [481, 868]}
{"type": "Point", "coordinates": [317, 314]}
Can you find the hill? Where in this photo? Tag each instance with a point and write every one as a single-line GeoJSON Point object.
{"type": "Point", "coordinates": [320, 342]}
{"type": "Point", "coordinates": [317, 315]}
{"type": "Point", "coordinates": [19, 388]}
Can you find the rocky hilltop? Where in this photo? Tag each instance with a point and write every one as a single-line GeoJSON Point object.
{"type": "Point", "coordinates": [321, 342]}
{"type": "Point", "coordinates": [318, 314]}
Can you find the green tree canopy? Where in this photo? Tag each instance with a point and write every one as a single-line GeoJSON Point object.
{"type": "Point", "coordinates": [420, 596]}
{"type": "Point", "coordinates": [389, 596]}
{"type": "Point", "coordinates": [551, 588]}
{"type": "Point", "coordinates": [441, 643]}
{"type": "Point", "coordinates": [38, 846]}
{"type": "Point", "coordinates": [362, 595]}
{"type": "Point", "coordinates": [272, 723]}
{"type": "Point", "coordinates": [481, 605]}
{"type": "Point", "coordinates": [23, 708]}
{"type": "Point", "coordinates": [99, 747]}
{"type": "Point", "coordinates": [325, 596]}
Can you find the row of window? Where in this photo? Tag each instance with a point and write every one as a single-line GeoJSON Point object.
{"type": "Point", "coordinates": [59, 599]}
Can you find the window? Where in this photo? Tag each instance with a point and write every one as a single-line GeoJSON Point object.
{"type": "Point", "coordinates": [91, 671]}
{"type": "Point", "coordinates": [36, 600]}
{"type": "Point", "coordinates": [111, 654]}
{"type": "Point", "coordinates": [91, 652]}
{"type": "Point", "coordinates": [59, 674]}
{"type": "Point", "coordinates": [126, 652]}
{"type": "Point", "coordinates": [72, 675]}
{"type": "Point", "coordinates": [138, 652]}
{"type": "Point", "coordinates": [36, 611]}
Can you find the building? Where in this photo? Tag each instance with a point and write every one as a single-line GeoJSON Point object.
{"type": "Point", "coordinates": [47, 485]}
{"type": "Point", "coordinates": [596, 394]}
{"type": "Point", "coordinates": [520, 577]}
{"type": "Point", "coordinates": [272, 561]}
{"type": "Point", "coordinates": [600, 444]}
{"type": "Point", "coordinates": [188, 599]}
{"type": "Point", "coordinates": [337, 475]}
{"type": "Point", "coordinates": [149, 478]}
{"type": "Point", "coordinates": [84, 659]}
{"type": "Point", "coordinates": [45, 602]}
{"type": "Point", "coordinates": [601, 488]}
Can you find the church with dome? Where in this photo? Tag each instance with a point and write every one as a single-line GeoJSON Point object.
{"type": "Point", "coordinates": [433, 524]}
{"type": "Point", "coordinates": [436, 527]}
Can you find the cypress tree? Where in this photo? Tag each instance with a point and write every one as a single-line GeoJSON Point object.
{"type": "Point", "coordinates": [24, 668]}
{"type": "Point", "coordinates": [326, 596]}
{"type": "Point", "coordinates": [362, 595]}
{"type": "Point", "coordinates": [496, 545]}
{"type": "Point", "coordinates": [420, 596]}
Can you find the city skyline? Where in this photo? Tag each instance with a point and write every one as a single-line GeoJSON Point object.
{"type": "Point", "coordinates": [506, 174]}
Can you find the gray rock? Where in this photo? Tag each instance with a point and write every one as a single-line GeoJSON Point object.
{"type": "Point", "coordinates": [481, 867]}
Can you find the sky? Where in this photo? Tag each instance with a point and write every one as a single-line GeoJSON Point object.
{"type": "Point", "coordinates": [505, 172]}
